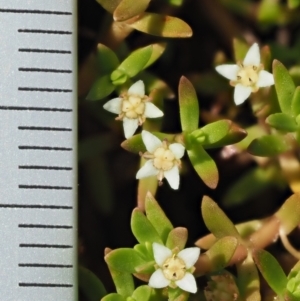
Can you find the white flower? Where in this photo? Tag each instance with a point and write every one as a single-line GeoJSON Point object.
{"type": "Point", "coordinates": [163, 160]}
{"type": "Point", "coordinates": [248, 76]}
{"type": "Point", "coordinates": [133, 108]}
{"type": "Point", "coordinates": [174, 269]}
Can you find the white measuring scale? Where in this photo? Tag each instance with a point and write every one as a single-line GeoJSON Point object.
{"type": "Point", "coordinates": [38, 176]}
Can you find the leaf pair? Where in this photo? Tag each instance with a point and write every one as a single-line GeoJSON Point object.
{"type": "Point", "coordinates": [286, 121]}
{"type": "Point", "coordinates": [216, 134]}
{"type": "Point", "coordinates": [113, 73]}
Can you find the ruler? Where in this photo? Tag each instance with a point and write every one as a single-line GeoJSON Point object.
{"type": "Point", "coordinates": [38, 150]}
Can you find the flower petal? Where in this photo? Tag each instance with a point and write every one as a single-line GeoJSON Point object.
{"type": "Point", "coordinates": [241, 93]}
{"type": "Point", "coordinates": [187, 283]}
{"type": "Point", "coordinates": [228, 71]}
{"type": "Point", "coordinates": [130, 126]}
{"type": "Point", "coordinates": [137, 88]}
{"type": "Point", "coordinates": [151, 142]}
{"type": "Point", "coordinates": [189, 256]}
{"type": "Point", "coordinates": [253, 56]}
{"type": "Point", "coordinates": [152, 111]}
{"type": "Point", "coordinates": [265, 79]}
{"type": "Point", "coordinates": [172, 177]}
{"type": "Point", "coordinates": [177, 149]}
{"type": "Point", "coordinates": [147, 170]}
{"type": "Point", "coordinates": [158, 280]}
{"type": "Point", "coordinates": [113, 105]}
{"type": "Point", "coordinates": [161, 253]}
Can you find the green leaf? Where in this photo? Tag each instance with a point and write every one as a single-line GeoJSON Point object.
{"type": "Point", "coordinates": [124, 260]}
{"type": "Point", "coordinates": [135, 143]}
{"type": "Point", "coordinates": [142, 229]}
{"type": "Point", "coordinates": [130, 8]}
{"type": "Point", "coordinates": [107, 60]}
{"type": "Point", "coordinates": [118, 77]}
{"type": "Point", "coordinates": [136, 61]}
{"type": "Point", "coordinates": [204, 165]}
{"type": "Point", "coordinates": [269, 145]}
{"type": "Point", "coordinates": [101, 88]}
{"type": "Point", "coordinates": [142, 293]}
{"type": "Point", "coordinates": [222, 132]}
{"type": "Point", "coordinates": [216, 220]}
{"type": "Point", "coordinates": [188, 104]}
{"type": "Point", "coordinates": [289, 213]}
{"type": "Point", "coordinates": [163, 26]}
{"type": "Point", "coordinates": [123, 282]}
{"type": "Point", "coordinates": [177, 294]}
{"type": "Point", "coordinates": [221, 252]}
{"type": "Point", "coordinates": [157, 50]}
{"type": "Point", "coordinates": [271, 271]}
{"type": "Point", "coordinates": [296, 102]}
{"type": "Point", "coordinates": [293, 3]}
{"type": "Point", "coordinates": [109, 5]}
{"type": "Point", "coordinates": [157, 217]}
{"type": "Point", "coordinates": [282, 122]}
{"type": "Point", "coordinates": [248, 280]}
{"type": "Point", "coordinates": [90, 285]}
{"type": "Point", "coordinates": [240, 49]}
{"type": "Point", "coordinates": [284, 86]}
{"type": "Point", "coordinates": [269, 12]}
{"type": "Point", "coordinates": [113, 297]}
{"type": "Point", "coordinates": [177, 238]}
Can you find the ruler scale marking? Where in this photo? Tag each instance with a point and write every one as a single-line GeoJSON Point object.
{"type": "Point", "coordinates": [38, 164]}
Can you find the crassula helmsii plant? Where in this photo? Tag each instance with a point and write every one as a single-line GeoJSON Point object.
{"type": "Point", "coordinates": [233, 258]}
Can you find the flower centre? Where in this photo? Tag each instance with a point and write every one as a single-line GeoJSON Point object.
{"type": "Point", "coordinates": [248, 76]}
{"type": "Point", "coordinates": [133, 107]}
{"type": "Point", "coordinates": [164, 159]}
{"type": "Point", "coordinates": [174, 268]}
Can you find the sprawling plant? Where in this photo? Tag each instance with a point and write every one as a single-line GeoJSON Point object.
{"type": "Point", "coordinates": [233, 259]}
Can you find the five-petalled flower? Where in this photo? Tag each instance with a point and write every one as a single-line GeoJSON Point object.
{"type": "Point", "coordinates": [174, 269]}
{"type": "Point", "coordinates": [248, 76]}
{"type": "Point", "coordinates": [163, 160]}
{"type": "Point", "coordinates": [133, 108]}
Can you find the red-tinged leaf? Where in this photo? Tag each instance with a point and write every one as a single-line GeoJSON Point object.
{"type": "Point", "coordinates": [204, 165]}
{"type": "Point", "coordinates": [160, 25]}
{"type": "Point", "coordinates": [177, 238]}
{"type": "Point", "coordinates": [188, 104]}
{"type": "Point", "coordinates": [130, 8]}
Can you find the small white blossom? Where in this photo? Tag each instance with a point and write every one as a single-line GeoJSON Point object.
{"type": "Point", "coordinates": [133, 108]}
{"type": "Point", "coordinates": [174, 269]}
{"type": "Point", "coordinates": [163, 160]}
{"type": "Point", "coordinates": [248, 76]}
